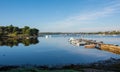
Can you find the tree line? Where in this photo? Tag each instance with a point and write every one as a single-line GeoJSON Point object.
{"type": "Point", "coordinates": [16, 31]}
{"type": "Point", "coordinates": [108, 32]}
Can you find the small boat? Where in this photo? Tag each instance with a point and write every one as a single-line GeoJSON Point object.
{"type": "Point", "coordinates": [71, 39]}
{"type": "Point", "coordinates": [46, 36]}
{"type": "Point", "coordinates": [114, 35]}
{"type": "Point", "coordinates": [82, 43]}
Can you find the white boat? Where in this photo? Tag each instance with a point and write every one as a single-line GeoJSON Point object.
{"type": "Point", "coordinates": [46, 36]}
{"type": "Point", "coordinates": [71, 39]}
{"type": "Point", "coordinates": [114, 35]}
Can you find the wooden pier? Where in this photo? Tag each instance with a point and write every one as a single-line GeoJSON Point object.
{"type": "Point", "coordinates": [94, 44]}
{"type": "Point", "coordinates": [111, 48]}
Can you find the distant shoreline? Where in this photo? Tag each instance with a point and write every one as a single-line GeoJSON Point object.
{"type": "Point", "coordinates": [57, 33]}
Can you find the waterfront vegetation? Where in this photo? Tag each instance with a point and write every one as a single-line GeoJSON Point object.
{"type": "Point", "coordinates": [13, 31]}
{"type": "Point", "coordinates": [114, 32]}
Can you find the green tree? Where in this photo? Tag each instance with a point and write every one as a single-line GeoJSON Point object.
{"type": "Point", "coordinates": [10, 28]}
{"type": "Point", "coordinates": [14, 31]}
{"type": "Point", "coordinates": [24, 30]}
{"type": "Point", "coordinates": [35, 31]}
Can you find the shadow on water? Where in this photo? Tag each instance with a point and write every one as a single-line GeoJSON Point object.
{"type": "Point", "coordinates": [15, 42]}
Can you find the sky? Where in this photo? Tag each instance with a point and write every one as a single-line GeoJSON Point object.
{"type": "Point", "coordinates": [62, 15]}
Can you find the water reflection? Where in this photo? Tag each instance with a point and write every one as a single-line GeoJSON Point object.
{"type": "Point", "coordinates": [55, 50]}
{"type": "Point", "coordinates": [15, 42]}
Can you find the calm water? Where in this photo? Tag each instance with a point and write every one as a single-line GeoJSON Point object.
{"type": "Point", "coordinates": [55, 50]}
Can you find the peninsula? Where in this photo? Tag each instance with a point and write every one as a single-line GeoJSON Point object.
{"type": "Point", "coordinates": [13, 31]}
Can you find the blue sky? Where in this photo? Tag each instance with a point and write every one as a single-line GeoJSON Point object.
{"type": "Point", "coordinates": [62, 15]}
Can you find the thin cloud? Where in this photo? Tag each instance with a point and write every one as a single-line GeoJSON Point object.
{"type": "Point", "coordinates": [86, 18]}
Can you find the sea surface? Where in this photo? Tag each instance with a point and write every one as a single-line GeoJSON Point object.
{"type": "Point", "coordinates": [55, 50]}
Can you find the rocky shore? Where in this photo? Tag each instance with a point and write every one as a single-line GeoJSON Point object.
{"type": "Point", "coordinates": [110, 65]}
